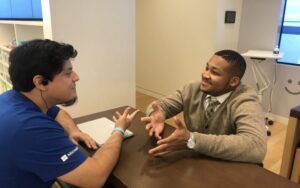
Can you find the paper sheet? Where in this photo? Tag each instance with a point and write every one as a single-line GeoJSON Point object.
{"type": "Point", "coordinates": [100, 129]}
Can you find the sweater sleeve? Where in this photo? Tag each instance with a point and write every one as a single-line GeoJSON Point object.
{"type": "Point", "coordinates": [249, 144]}
{"type": "Point", "coordinates": [171, 105]}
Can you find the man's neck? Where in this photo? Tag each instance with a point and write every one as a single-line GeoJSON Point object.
{"type": "Point", "coordinates": [37, 98]}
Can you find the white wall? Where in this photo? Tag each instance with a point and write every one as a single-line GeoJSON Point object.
{"type": "Point", "coordinates": [175, 39]}
{"type": "Point", "coordinates": [227, 35]}
{"type": "Point", "coordinates": [259, 27]}
{"type": "Point", "coordinates": [103, 32]}
{"type": "Point", "coordinates": [258, 31]}
{"type": "Point", "coordinates": [260, 20]}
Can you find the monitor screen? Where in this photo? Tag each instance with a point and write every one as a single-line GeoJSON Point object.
{"type": "Point", "coordinates": [20, 10]}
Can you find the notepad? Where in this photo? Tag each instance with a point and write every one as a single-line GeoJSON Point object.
{"type": "Point", "coordinates": [100, 129]}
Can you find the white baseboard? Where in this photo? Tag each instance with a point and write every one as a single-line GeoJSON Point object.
{"type": "Point", "coordinates": [149, 92]}
{"type": "Point", "coordinates": [278, 118]}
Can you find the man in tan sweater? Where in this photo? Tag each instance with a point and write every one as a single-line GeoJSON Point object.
{"type": "Point", "coordinates": [222, 117]}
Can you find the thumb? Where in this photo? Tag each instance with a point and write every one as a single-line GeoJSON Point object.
{"type": "Point", "coordinates": [155, 106]}
{"type": "Point", "coordinates": [179, 124]}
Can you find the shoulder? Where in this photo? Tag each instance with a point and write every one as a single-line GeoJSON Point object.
{"type": "Point", "coordinates": [244, 97]}
{"type": "Point", "coordinates": [37, 127]}
{"type": "Point", "coordinates": [4, 97]}
{"type": "Point", "coordinates": [244, 92]}
{"type": "Point", "coordinates": [245, 107]}
{"type": "Point", "coordinates": [25, 118]}
{"type": "Point", "coordinates": [32, 125]}
{"type": "Point", "coordinates": [244, 101]}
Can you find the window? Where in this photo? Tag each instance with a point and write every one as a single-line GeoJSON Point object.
{"type": "Point", "coordinates": [289, 42]}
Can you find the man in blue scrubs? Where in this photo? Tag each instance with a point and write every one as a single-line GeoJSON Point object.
{"type": "Point", "coordinates": [38, 140]}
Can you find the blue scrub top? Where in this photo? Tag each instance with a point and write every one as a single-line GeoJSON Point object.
{"type": "Point", "coordinates": [34, 147]}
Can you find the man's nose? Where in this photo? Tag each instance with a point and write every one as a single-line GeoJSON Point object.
{"type": "Point", "coordinates": [75, 77]}
{"type": "Point", "coordinates": [205, 74]}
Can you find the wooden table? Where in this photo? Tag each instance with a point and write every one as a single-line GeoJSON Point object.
{"type": "Point", "coordinates": [136, 169]}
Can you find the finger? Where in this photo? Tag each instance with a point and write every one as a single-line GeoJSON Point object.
{"type": "Point", "coordinates": [94, 144]}
{"type": "Point", "coordinates": [146, 119]}
{"type": "Point", "coordinates": [167, 140]}
{"type": "Point", "coordinates": [148, 126]}
{"type": "Point", "coordinates": [157, 135]}
{"type": "Point", "coordinates": [131, 116]}
{"type": "Point", "coordinates": [87, 143]}
{"type": "Point", "coordinates": [179, 124]}
{"type": "Point", "coordinates": [118, 114]}
{"type": "Point", "coordinates": [158, 149]}
{"type": "Point", "coordinates": [90, 142]}
{"type": "Point", "coordinates": [162, 153]}
{"type": "Point", "coordinates": [151, 132]}
{"type": "Point", "coordinates": [126, 111]}
{"type": "Point", "coordinates": [115, 119]}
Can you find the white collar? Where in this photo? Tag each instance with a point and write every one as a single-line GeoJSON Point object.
{"type": "Point", "coordinates": [220, 98]}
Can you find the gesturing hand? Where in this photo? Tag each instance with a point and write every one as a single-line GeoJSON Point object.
{"type": "Point", "coordinates": [123, 121]}
{"type": "Point", "coordinates": [176, 141]}
{"type": "Point", "coordinates": [155, 122]}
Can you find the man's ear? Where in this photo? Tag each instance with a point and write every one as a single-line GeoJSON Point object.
{"type": "Point", "coordinates": [235, 81]}
{"type": "Point", "coordinates": [38, 82]}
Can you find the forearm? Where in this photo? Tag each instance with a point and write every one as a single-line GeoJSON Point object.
{"type": "Point", "coordinates": [66, 121]}
{"type": "Point", "coordinates": [231, 147]}
{"type": "Point", "coordinates": [95, 170]}
{"type": "Point", "coordinates": [108, 154]}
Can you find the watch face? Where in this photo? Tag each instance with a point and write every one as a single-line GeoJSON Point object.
{"type": "Point", "coordinates": [191, 143]}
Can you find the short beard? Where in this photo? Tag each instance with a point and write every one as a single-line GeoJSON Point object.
{"type": "Point", "coordinates": [69, 102]}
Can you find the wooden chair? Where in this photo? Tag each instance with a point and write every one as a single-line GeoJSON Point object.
{"type": "Point", "coordinates": [290, 153]}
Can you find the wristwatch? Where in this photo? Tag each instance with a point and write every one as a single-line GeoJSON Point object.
{"type": "Point", "coordinates": [191, 141]}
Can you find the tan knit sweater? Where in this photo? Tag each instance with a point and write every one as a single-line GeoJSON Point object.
{"type": "Point", "coordinates": [236, 130]}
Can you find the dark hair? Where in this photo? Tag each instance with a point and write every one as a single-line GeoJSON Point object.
{"type": "Point", "coordinates": [238, 63]}
{"type": "Point", "coordinates": [37, 57]}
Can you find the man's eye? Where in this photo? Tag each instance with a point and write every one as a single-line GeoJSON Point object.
{"type": "Point", "coordinates": [215, 72]}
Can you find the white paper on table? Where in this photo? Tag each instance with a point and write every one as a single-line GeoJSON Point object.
{"type": "Point", "coordinates": [100, 129]}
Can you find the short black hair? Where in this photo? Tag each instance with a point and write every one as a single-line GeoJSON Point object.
{"type": "Point", "coordinates": [37, 57]}
{"type": "Point", "coordinates": [238, 63]}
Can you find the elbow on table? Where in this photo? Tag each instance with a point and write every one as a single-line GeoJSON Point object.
{"type": "Point", "coordinates": [258, 154]}
{"type": "Point", "coordinates": [252, 153]}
